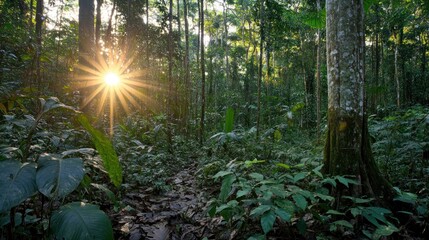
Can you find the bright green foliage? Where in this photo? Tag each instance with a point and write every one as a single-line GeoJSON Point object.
{"type": "Point", "coordinates": [248, 194]}
{"type": "Point", "coordinates": [106, 151]}
{"type": "Point", "coordinates": [79, 221]}
{"type": "Point", "coordinates": [17, 183]}
{"type": "Point", "coordinates": [265, 198]}
{"type": "Point", "coordinates": [229, 120]}
{"type": "Point", "coordinates": [57, 177]}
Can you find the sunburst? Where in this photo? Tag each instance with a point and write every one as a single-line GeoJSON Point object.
{"type": "Point", "coordinates": [110, 81]}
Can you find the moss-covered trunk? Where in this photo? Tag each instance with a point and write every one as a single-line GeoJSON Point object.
{"type": "Point", "coordinates": [348, 151]}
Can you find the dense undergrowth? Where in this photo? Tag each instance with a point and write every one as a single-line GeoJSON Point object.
{"type": "Point", "coordinates": [266, 187]}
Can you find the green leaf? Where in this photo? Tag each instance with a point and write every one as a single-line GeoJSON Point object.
{"type": "Point", "coordinates": [76, 221]}
{"type": "Point", "coordinates": [299, 177]}
{"type": "Point", "coordinates": [330, 181]}
{"type": "Point", "coordinates": [267, 221]}
{"type": "Point", "coordinates": [334, 212]}
{"type": "Point", "coordinates": [324, 197]}
{"type": "Point", "coordinates": [385, 230]}
{"type": "Point", "coordinates": [243, 192]}
{"type": "Point", "coordinates": [278, 190]}
{"type": "Point", "coordinates": [257, 176]}
{"type": "Point", "coordinates": [277, 135]}
{"type": "Point", "coordinates": [315, 20]}
{"type": "Point", "coordinates": [346, 181]}
{"type": "Point", "coordinates": [282, 165]}
{"type": "Point", "coordinates": [229, 120]}
{"type": "Point", "coordinates": [260, 210]}
{"type": "Point", "coordinates": [17, 183]}
{"type": "Point", "coordinates": [221, 174]}
{"type": "Point", "coordinates": [356, 211]}
{"type": "Point", "coordinates": [226, 187]}
{"type": "Point", "coordinates": [343, 223]}
{"type": "Point", "coordinates": [57, 177]}
{"type": "Point", "coordinates": [254, 161]}
{"type": "Point", "coordinates": [359, 200]}
{"type": "Point", "coordinates": [52, 103]}
{"type": "Point", "coordinates": [285, 205]}
{"type": "Point", "coordinates": [406, 198]}
{"type": "Point", "coordinates": [285, 216]}
{"type": "Point", "coordinates": [300, 201]}
{"type": "Point", "coordinates": [317, 171]}
{"type": "Point", "coordinates": [257, 237]}
{"type": "Point", "coordinates": [106, 151]}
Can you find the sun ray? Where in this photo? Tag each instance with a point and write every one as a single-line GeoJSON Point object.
{"type": "Point", "coordinates": [109, 81]}
{"type": "Point", "coordinates": [93, 94]}
{"type": "Point", "coordinates": [122, 99]}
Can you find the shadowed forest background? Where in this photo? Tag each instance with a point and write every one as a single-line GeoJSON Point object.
{"type": "Point", "coordinates": [220, 119]}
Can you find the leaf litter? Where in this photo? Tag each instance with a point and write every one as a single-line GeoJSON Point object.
{"type": "Point", "coordinates": [177, 214]}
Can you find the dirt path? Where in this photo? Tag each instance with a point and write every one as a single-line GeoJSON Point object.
{"type": "Point", "coordinates": [176, 214]}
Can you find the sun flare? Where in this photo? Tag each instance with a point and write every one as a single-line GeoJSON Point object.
{"type": "Point", "coordinates": [111, 79]}
{"type": "Point", "coordinates": [113, 85]}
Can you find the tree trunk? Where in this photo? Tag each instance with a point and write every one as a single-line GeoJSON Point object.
{"type": "Point", "coordinates": [318, 90]}
{"type": "Point", "coordinates": [30, 19]}
{"type": "Point", "coordinates": [98, 27]}
{"type": "Point", "coordinates": [423, 69]}
{"type": "Point", "coordinates": [170, 78]}
{"type": "Point", "coordinates": [39, 25]}
{"type": "Point", "coordinates": [225, 26]}
{"type": "Point", "coordinates": [179, 30]}
{"type": "Point", "coordinates": [148, 33]}
{"type": "Point", "coordinates": [203, 76]}
{"type": "Point", "coordinates": [348, 151]}
{"type": "Point", "coordinates": [86, 39]}
{"type": "Point", "coordinates": [398, 85]}
{"type": "Point", "coordinates": [261, 55]}
{"type": "Point", "coordinates": [186, 63]}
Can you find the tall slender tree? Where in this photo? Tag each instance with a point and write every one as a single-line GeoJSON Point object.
{"type": "Point", "coordinates": [318, 90]}
{"type": "Point", "coordinates": [39, 25]}
{"type": "Point", "coordinates": [203, 74]}
{"type": "Point", "coordinates": [98, 27]}
{"type": "Point", "coordinates": [261, 55]}
{"type": "Point", "coordinates": [86, 37]}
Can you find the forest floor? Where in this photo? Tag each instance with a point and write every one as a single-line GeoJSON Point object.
{"type": "Point", "coordinates": [179, 213]}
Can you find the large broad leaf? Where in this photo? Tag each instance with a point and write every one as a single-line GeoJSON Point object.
{"type": "Point", "coordinates": [17, 183]}
{"type": "Point", "coordinates": [79, 221]}
{"type": "Point", "coordinates": [229, 120]}
{"type": "Point", "coordinates": [267, 221]}
{"type": "Point", "coordinates": [57, 177]}
{"type": "Point", "coordinates": [106, 151]}
{"type": "Point", "coordinates": [52, 103]}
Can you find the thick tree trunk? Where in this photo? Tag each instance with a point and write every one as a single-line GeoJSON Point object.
{"type": "Point", "coordinates": [348, 151]}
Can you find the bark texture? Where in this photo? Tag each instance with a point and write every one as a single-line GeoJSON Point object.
{"type": "Point", "coordinates": [348, 151]}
